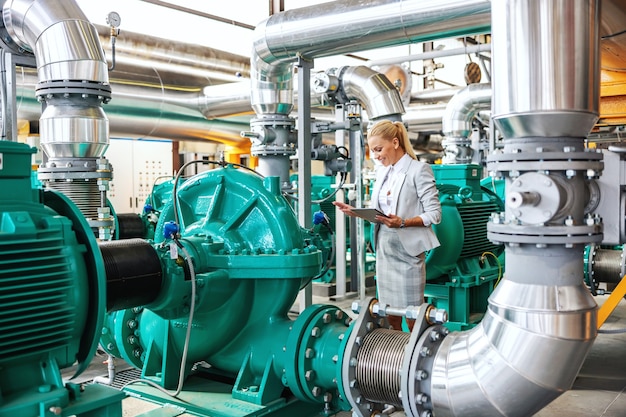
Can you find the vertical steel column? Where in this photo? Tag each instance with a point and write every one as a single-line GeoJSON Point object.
{"type": "Point", "coordinates": [304, 159]}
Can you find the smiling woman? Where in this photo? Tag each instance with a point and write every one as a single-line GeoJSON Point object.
{"type": "Point", "coordinates": [406, 193]}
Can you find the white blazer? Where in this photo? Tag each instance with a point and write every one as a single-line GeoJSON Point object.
{"type": "Point", "coordinates": [415, 194]}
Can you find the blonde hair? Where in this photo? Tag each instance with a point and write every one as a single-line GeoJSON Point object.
{"type": "Point", "coordinates": [389, 130]}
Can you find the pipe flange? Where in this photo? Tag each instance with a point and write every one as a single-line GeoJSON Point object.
{"type": "Point", "coordinates": [543, 156]}
{"type": "Point", "coordinates": [417, 370]}
{"type": "Point", "coordinates": [364, 324]}
{"type": "Point", "coordinates": [309, 354]}
{"type": "Point", "coordinates": [512, 164]}
{"type": "Point", "coordinates": [303, 341]}
{"type": "Point", "coordinates": [120, 336]}
{"type": "Point", "coordinates": [588, 262]}
{"type": "Point", "coordinates": [623, 261]}
{"type": "Point", "coordinates": [543, 236]}
{"type": "Point", "coordinates": [47, 90]}
{"type": "Point", "coordinates": [273, 150]}
{"type": "Point", "coordinates": [274, 119]}
{"type": "Point", "coordinates": [67, 169]}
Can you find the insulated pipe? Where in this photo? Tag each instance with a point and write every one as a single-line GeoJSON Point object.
{"type": "Point", "coordinates": [541, 320]}
{"type": "Point", "coordinates": [373, 91]}
{"type": "Point", "coordinates": [542, 96]}
{"type": "Point", "coordinates": [155, 111]}
{"type": "Point", "coordinates": [179, 64]}
{"type": "Point", "coordinates": [72, 73]}
{"type": "Point", "coordinates": [461, 109]}
{"type": "Point", "coordinates": [65, 44]}
{"type": "Point", "coordinates": [346, 26]}
{"type": "Point", "coordinates": [457, 122]}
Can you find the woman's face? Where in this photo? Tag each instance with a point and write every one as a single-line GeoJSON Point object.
{"type": "Point", "coordinates": [384, 151]}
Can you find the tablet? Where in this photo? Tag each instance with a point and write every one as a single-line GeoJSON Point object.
{"type": "Point", "coordinates": [368, 214]}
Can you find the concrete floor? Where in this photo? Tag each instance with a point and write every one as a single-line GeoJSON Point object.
{"type": "Point", "coordinates": [598, 391]}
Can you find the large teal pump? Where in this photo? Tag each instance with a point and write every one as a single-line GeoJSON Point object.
{"type": "Point", "coordinates": [232, 258]}
{"type": "Point", "coordinates": [52, 295]}
{"type": "Point", "coordinates": [203, 310]}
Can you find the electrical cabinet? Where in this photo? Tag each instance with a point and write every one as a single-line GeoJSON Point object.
{"type": "Point", "coordinates": [137, 166]}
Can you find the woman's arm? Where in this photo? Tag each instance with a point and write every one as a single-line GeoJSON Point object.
{"type": "Point", "coordinates": [429, 196]}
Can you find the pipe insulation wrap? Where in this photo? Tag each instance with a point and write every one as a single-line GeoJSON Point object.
{"type": "Point", "coordinates": [131, 226]}
{"type": "Point", "coordinates": [133, 271]}
{"type": "Point", "coordinates": [66, 45]}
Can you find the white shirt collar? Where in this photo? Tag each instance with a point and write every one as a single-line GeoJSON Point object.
{"type": "Point", "coordinates": [402, 164]}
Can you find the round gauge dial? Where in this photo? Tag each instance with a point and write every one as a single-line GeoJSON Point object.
{"type": "Point", "coordinates": [114, 19]}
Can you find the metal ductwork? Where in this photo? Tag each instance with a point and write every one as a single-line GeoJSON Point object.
{"type": "Point", "coordinates": [340, 27]}
{"type": "Point", "coordinates": [178, 64]}
{"type": "Point", "coordinates": [457, 122]}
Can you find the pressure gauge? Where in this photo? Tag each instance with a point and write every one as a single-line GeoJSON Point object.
{"type": "Point", "coordinates": [114, 19]}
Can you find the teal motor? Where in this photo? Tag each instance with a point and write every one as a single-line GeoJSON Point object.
{"type": "Point", "coordinates": [462, 272]}
{"type": "Point", "coordinates": [52, 297]}
{"type": "Point", "coordinates": [217, 334]}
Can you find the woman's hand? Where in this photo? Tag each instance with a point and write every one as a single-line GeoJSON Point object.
{"type": "Point", "coordinates": [391, 220]}
{"type": "Point", "coordinates": [345, 208]}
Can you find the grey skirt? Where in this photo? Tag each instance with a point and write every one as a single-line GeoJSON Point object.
{"type": "Point", "coordinates": [400, 277]}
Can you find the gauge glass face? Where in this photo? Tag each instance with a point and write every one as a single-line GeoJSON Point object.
{"type": "Point", "coordinates": [114, 19]}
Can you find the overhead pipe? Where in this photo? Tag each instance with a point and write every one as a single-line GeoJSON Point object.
{"type": "Point", "coordinates": [181, 65]}
{"type": "Point", "coordinates": [144, 107]}
{"type": "Point", "coordinates": [346, 26]}
{"type": "Point", "coordinates": [143, 61]}
{"type": "Point", "coordinates": [457, 122]}
{"type": "Point", "coordinates": [156, 112]}
{"type": "Point", "coordinates": [466, 50]}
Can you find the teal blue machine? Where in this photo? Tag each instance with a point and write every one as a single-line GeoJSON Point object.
{"type": "Point", "coordinates": [131, 225]}
{"type": "Point", "coordinates": [203, 310]}
{"type": "Point", "coordinates": [462, 272]}
{"type": "Point", "coordinates": [233, 260]}
{"type": "Point", "coordinates": [52, 295]}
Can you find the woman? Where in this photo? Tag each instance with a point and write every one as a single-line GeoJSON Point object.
{"type": "Point", "coordinates": [405, 191]}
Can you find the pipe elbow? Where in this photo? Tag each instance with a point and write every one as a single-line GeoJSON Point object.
{"type": "Point", "coordinates": [517, 352]}
{"type": "Point", "coordinates": [65, 44]}
{"type": "Point", "coordinates": [462, 107]}
{"type": "Point", "coordinates": [272, 79]}
{"type": "Point", "coordinates": [373, 90]}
